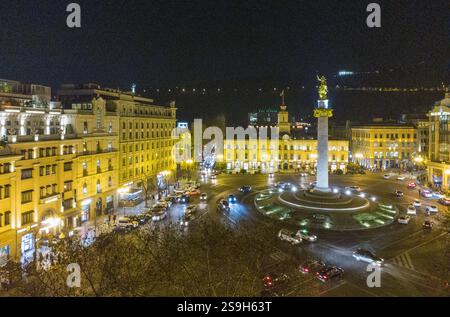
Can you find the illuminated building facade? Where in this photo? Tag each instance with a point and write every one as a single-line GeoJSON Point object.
{"type": "Point", "coordinates": [384, 145]}
{"type": "Point", "coordinates": [67, 162]}
{"type": "Point", "coordinates": [438, 164]}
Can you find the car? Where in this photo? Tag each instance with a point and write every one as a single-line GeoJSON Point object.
{"type": "Point", "coordinates": [158, 215]}
{"type": "Point", "coordinates": [271, 175]}
{"type": "Point", "coordinates": [386, 176]}
{"type": "Point", "coordinates": [355, 188]}
{"type": "Point", "coordinates": [330, 273]}
{"type": "Point", "coordinates": [365, 255]}
{"type": "Point", "coordinates": [185, 219]}
{"type": "Point", "coordinates": [164, 203]}
{"type": "Point", "coordinates": [286, 235]}
{"type": "Point", "coordinates": [213, 176]}
{"type": "Point", "coordinates": [178, 192]}
{"type": "Point", "coordinates": [275, 280]}
{"type": "Point", "coordinates": [193, 192]}
{"type": "Point", "coordinates": [411, 210]}
{"type": "Point", "coordinates": [430, 209]}
{"type": "Point", "coordinates": [398, 193]}
{"type": "Point", "coordinates": [161, 205]}
{"type": "Point", "coordinates": [223, 205]}
{"type": "Point", "coordinates": [305, 235]}
{"type": "Point", "coordinates": [426, 193]}
{"type": "Point", "coordinates": [140, 218]}
{"type": "Point", "coordinates": [437, 194]}
{"type": "Point", "coordinates": [126, 223]}
{"type": "Point", "coordinates": [417, 203]}
{"type": "Point", "coordinates": [412, 185]}
{"type": "Point", "coordinates": [444, 201]}
{"type": "Point", "coordinates": [401, 178]}
{"type": "Point", "coordinates": [190, 209]}
{"type": "Point", "coordinates": [245, 189]}
{"type": "Point", "coordinates": [311, 266]}
{"type": "Point", "coordinates": [184, 199]}
{"type": "Point", "coordinates": [427, 224]}
{"type": "Point", "coordinates": [404, 220]}
{"type": "Point", "coordinates": [204, 197]}
{"type": "Point", "coordinates": [232, 199]}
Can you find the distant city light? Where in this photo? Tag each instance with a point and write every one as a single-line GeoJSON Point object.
{"type": "Point", "coordinates": [345, 73]}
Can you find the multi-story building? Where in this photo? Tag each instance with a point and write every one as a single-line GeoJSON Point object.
{"type": "Point", "coordinates": [384, 145]}
{"type": "Point", "coordinates": [438, 164]}
{"type": "Point", "coordinates": [283, 152]}
{"type": "Point", "coordinates": [66, 162]}
{"type": "Point", "coordinates": [144, 133]}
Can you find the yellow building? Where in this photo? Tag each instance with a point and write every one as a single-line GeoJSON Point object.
{"type": "Point", "coordinates": [384, 145]}
{"type": "Point", "coordinates": [281, 155]}
{"type": "Point", "coordinates": [64, 163]}
{"type": "Point", "coordinates": [142, 133]}
{"type": "Point", "coordinates": [438, 164]}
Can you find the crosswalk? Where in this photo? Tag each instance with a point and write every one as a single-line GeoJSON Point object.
{"type": "Point", "coordinates": [404, 260]}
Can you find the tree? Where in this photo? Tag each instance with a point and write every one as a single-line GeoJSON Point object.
{"type": "Point", "coordinates": [147, 185]}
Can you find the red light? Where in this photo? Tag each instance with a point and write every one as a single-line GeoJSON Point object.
{"type": "Point", "coordinates": [325, 276]}
{"type": "Point", "coordinates": [306, 270]}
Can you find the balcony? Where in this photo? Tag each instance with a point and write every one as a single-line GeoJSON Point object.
{"type": "Point", "coordinates": [99, 151]}
{"type": "Point", "coordinates": [49, 198]}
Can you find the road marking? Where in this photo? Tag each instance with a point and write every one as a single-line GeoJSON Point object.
{"type": "Point", "coordinates": [404, 260]}
{"type": "Point", "coordinates": [279, 256]}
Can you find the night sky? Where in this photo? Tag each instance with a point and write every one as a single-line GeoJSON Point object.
{"type": "Point", "coordinates": [167, 43]}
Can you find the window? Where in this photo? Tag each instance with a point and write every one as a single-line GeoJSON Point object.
{"type": "Point", "coordinates": [7, 191]}
{"type": "Point", "coordinates": [27, 217]}
{"type": "Point", "coordinates": [68, 166]}
{"type": "Point", "coordinates": [27, 196]}
{"type": "Point", "coordinates": [27, 173]}
{"type": "Point", "coordinates": [68, 186]}
{"type": "Point", "coordinates": [7, 218]}
{"type": "Point", "coordinates": [84, 188]}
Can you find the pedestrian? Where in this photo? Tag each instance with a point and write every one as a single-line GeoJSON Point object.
{"type": "Point", "coordinates": [109, 218]}
{"type": "Point", "coordinates": [114, 219]}
{"type": "Point", "coordinates": [419, 192]}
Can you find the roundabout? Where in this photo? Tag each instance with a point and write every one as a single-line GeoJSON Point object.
{"type": "Point", "coordinates": [339, 210]}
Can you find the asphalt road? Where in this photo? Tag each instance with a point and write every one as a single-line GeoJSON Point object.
{"type": "Point", "coordinates": [407, 271]}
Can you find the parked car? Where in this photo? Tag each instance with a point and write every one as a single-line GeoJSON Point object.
{"type": "Point", "coordinates": [126, 223]}
{"type": "Point", "coordinates": [353, 188]}
{"type": "Point", "coordinates": [398, 193]}
{"type": "Point", "coordinates": [426, 193]}
{"type": "Point", "coordinates": [386, 176]}
{"type": "Point", "coordinates": [190, 209]}
{"type": "Point", "coordinates": [404, 220]}
{"type": "Point", "coordinates": [444, 201]}
{"type": "Point", "coordinates": [417, 203]}
{"type": "Point", "coordinates": [245, 189]}
{"type": "Point", "coordinates": [213, 176]}
{"type": "Point", "coordinates": [330, 273]}
{"type": "Point", "coordinates": [275, 280]}
{"type": "Point", "coordinates": [412, 185]}
{"type": "Point", "coordinates": [437, 194]}
{"type": "Point", "coordinates": [204, 197]}
{"type": "Point", "coordinates": [185, 220]}
{"type": "Point", "coordinates": [431, 208]}
{"type": "Point", "coordinates": [411, 210]}
{"type": "Point", "coordinates": [286, 235]}
{"type": "Point", "coordinates": [223, 205]}
{"type": "Point", "coordinates": [427, 224]}
{"type": "Point", "coordinates": [401, 178]}
{"type": "Point", "coordinates": [158, 215]}
{"type": "Point", "coordinates": [311, 266]}
{"type": "Point", "coordinates": [193, 192]}
{"type": "Point", "coordinates": [183, 199]}
{"type": "Point", "coordinates": [364, 255]}
{"type": "Point", "coordinates": [306, 235]}
{"type": "Point", "coordinates": [232, 199]}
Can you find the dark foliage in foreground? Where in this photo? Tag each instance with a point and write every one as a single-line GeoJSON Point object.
{"type": "Point", "coordinates": [210, 260]}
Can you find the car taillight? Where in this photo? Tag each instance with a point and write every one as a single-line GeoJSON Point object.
{"type": "Point", "coordinates": [306, 270]}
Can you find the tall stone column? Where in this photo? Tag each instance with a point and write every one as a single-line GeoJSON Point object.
{"type": "Point", "coordinates": [322, 113]}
